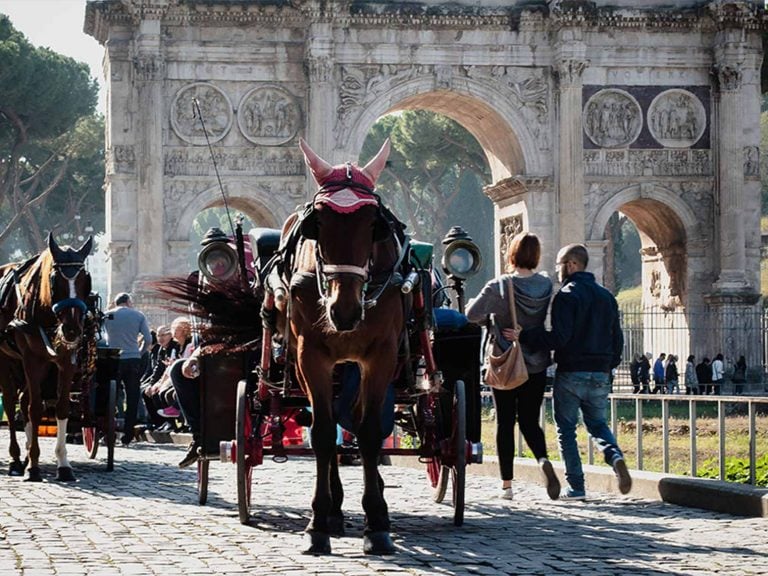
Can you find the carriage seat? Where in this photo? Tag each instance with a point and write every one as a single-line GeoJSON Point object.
{"type": "Point", "coordinates": [264, 243]}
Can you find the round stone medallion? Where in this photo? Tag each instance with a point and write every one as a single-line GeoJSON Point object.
{"type": "Point", "coordinates": [215, 108]}
{"type": "Point", "coordinates": [676, 118]}
{"type": "Point", "coordinates": [269, 115]}
{"type": "Point", "coordinates": [612, 118]}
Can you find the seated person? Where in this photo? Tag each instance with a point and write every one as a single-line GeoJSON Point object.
{"type": "Point", "coordinates": [168, 350]}
{"type": "Point", "coordinates": [185, 376]}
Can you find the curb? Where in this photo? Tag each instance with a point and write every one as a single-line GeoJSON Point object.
{"type": "Point", "coordinates": [714, 495]}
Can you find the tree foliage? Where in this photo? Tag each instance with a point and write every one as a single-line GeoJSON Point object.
{"type": "Point", "coordinates": [433, 180]}
{"type": "Point", "coordinates": [51, 144]}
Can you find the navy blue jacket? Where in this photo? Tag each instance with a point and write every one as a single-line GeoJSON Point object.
{"type": "Point", "coordinates": [586, 334]}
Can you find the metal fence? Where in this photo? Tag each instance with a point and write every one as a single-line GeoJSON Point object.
{"type": "Point", "coordinates": [703, 332]}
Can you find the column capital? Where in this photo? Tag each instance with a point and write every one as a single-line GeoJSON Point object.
{"type": "Point", "coordinates": [735, 13]}
{"type": "Point", "coordinates": [569, 71]}
{"type": "Point", "coordinates": [729, 77]}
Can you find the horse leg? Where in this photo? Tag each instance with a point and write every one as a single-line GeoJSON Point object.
{"type": "Point", "coordinates": [34, 417]}
{"type": "Point", "coordinates": [10, 397]}
{"type": "Point", "coordinates": [324, 444]}
{"type": "Point", "coordinates": [336, 516]}
{"type": "Point", "coordinates": [376, 538]}
{"type": "Point", "coordinates": [64, 471]}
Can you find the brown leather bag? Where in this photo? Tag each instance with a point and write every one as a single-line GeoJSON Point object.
{"type": "Point", "coordinates": [506, 370]}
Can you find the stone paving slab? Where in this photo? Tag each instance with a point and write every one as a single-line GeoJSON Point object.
{"type": "Point", "coordinates": [143, 518]}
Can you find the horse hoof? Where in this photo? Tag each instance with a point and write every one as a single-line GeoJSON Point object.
{"type": "Point", "coordinates": [65, 474]}
{"type": "Point", "coordinates": [336, 526]}
{"type": "Point", "coordinates": [16, 469]}
{"type": "Point", "coordinates": [319, 543]}
{"type": "Point", "coordinates": [34, 475]}
{"type": "Point", "coordinates": [378, 543]}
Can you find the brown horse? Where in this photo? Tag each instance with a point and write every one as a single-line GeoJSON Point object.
{"type": "Point", "coordinates": [343, 307]}
{"type": "Point", "coordinates": [47, 310]}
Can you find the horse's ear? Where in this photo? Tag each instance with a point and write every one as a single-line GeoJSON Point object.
{"type": "Point", "coordinates": [374, 168]}
{"type": "Point", "coordinates": [320, 168]}
{"type": "Point", "coordinates": [85, 249]}
{"type": "Point", "coordinates": [53, 248]}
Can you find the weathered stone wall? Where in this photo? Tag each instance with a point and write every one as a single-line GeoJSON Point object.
{"type": "Point", "coordinates": [583, 108]}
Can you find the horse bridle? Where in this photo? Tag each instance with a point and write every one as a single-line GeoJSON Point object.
{"type": "Point", "coordinates": [327, 272]}
{"type": "Point", "coordinates": [70, 271]}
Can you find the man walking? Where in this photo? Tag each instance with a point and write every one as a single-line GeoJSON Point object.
{"type": "Point", "coordinates": [658, 374]}
{"type": "Point", "coordinates": [587, 339]}
{"type": "Point", "coordinates": [124, 324]}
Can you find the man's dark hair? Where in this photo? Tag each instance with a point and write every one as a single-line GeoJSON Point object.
{"type": "Point", "coordinates": [122, 298]}
{"type": "Point", "coordinates": [576, 253]}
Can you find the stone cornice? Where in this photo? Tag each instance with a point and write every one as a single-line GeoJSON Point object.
{"type": "Point", "coordinates": [101, 14]}
{"type": "Point", "coordinates": [514, 186]}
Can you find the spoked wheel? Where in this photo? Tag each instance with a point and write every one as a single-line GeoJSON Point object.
{"type": "Point", "coordinates": [243, 438]}
{"type": "Point", "coordinates": [90, 441]}
{"type": "Point", "coordinates": [202, 481]}
{"type": "Point", "coordinates": [110, 422]}
{"type": "Point", "coordinates": [457, 471]}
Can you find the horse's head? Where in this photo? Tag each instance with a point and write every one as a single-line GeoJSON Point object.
{"type": "Point", "coordinates": [70, 285]}
{"type": "Point", "coordinates": [345, 221]}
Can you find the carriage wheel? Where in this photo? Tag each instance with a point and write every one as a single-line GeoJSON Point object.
{"type": "Point", "coordinates": [90, 441]}
{"type": "Point", "coordinates": [242, 438]}
{"type": "Point", "coordinates": [202, 481]}
{"type": "Point", "coordinates": [457, 472]}
{"type": "Point", "coordinates": [110, 425]}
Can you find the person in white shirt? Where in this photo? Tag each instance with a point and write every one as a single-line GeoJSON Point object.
{"type": "Point", "coordinates": [718, 374]}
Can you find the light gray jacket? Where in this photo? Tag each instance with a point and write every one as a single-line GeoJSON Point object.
{"type": "Point", "coordinates": [532, 296]}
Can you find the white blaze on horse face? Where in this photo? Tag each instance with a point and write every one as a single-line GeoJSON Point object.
{"type": "Point", "coordinates": [61, 444]}
{"type": "Point", "coordinates": [72, 290]}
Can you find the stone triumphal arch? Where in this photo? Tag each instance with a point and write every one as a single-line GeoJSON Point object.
{"type": "Point", "coordinates": [584, 108]}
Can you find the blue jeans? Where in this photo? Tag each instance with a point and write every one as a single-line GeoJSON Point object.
{"type": "Point", "coordinates": [588, 392]}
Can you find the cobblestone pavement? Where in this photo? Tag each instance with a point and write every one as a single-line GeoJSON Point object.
{"type": "Point", "coordinates": [143, 518]}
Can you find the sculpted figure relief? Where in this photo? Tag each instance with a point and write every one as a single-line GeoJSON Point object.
{"type": "Point", "coordinates": [612, 118]}
{"type": "Point", "coordinates": [215, 108]}
{"type": "Point", "coordinates": [676, 118]}
{"type": "Point", "coordinates": [269, 116]}
{"type": "Point", "coordinates": [510, 227]}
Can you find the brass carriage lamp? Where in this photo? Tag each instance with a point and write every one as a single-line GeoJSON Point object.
{"type": "Point", "coordinates": [217, 259]}
{"type": "Point", "coordinates": [461, 260]}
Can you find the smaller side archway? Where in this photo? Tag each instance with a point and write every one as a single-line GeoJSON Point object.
{"type": "Point", "coordinates": [667, 227]}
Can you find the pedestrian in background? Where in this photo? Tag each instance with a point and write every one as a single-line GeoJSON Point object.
{"type": "Point", "coordinates": [587, 339]}
{"type": "Point", "coordinates": [658, 374]}
{"type": "Point", "coordinates": [718, 374]}
{"type": "Point", "coordinates": [704, 375]}
{"type": "Point", "coordinates": [532, 293]}
{"type": "Point", "coordinates": [739, 375]}
{"type": "Point", "coordinates": [691, 380]}
{"type": "Point", "coordinates": [672, 376]}
{"type": "Point", "coordinates": [645, 373]}
{"type": "Point", "coordinates": [634, 373]}
{"type": "Point", "coordinates": [124, 325]}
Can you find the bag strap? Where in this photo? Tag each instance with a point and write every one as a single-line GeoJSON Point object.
{"type": "Point", "coordinates": [513, 312]}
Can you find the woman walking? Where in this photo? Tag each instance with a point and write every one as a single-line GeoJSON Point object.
{"type": "Point", "coordinates": [532, 293]}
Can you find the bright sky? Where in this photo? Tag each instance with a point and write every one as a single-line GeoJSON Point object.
{"type": "Point", "coordinates": [58, 24]}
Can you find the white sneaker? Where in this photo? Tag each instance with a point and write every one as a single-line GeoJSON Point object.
{"type": "Point", "coordinates": [506, 494]}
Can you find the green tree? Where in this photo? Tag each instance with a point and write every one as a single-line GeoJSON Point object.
{"type": "Point", "coordinates": [433, 180]}
{"type": "Point", "coordinates": [51, 144]}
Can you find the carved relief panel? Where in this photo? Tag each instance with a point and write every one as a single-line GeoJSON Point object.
{"type": "Point", "coordinates": [509, 226]}
{"type": "Point", "coordinates": [215, 109]}
{"type": "Point", "coordinates": [676, 119]}
{"type": "Point", "coordinates": [269, 115]}
{"type": "Point", "coordinates": [612, 118]}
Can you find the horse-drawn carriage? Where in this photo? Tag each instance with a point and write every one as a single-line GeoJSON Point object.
{"type": "Point", "coordinates": [49, 360]}
{"type": "Point", "coordinates": [350, 331]}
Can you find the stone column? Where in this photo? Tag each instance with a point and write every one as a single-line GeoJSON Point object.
{"type": "Point", "coordinates": [569, 66]}
{"type": "Point", "coordinates": [322, 96]}
{"type": "Point", "coordinates": [596, 252]}
{"type": "Point", "coordinates": [731, 178]}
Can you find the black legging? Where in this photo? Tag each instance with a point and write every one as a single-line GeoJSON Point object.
{"type": "Point", "coordinates": [523, 404]}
